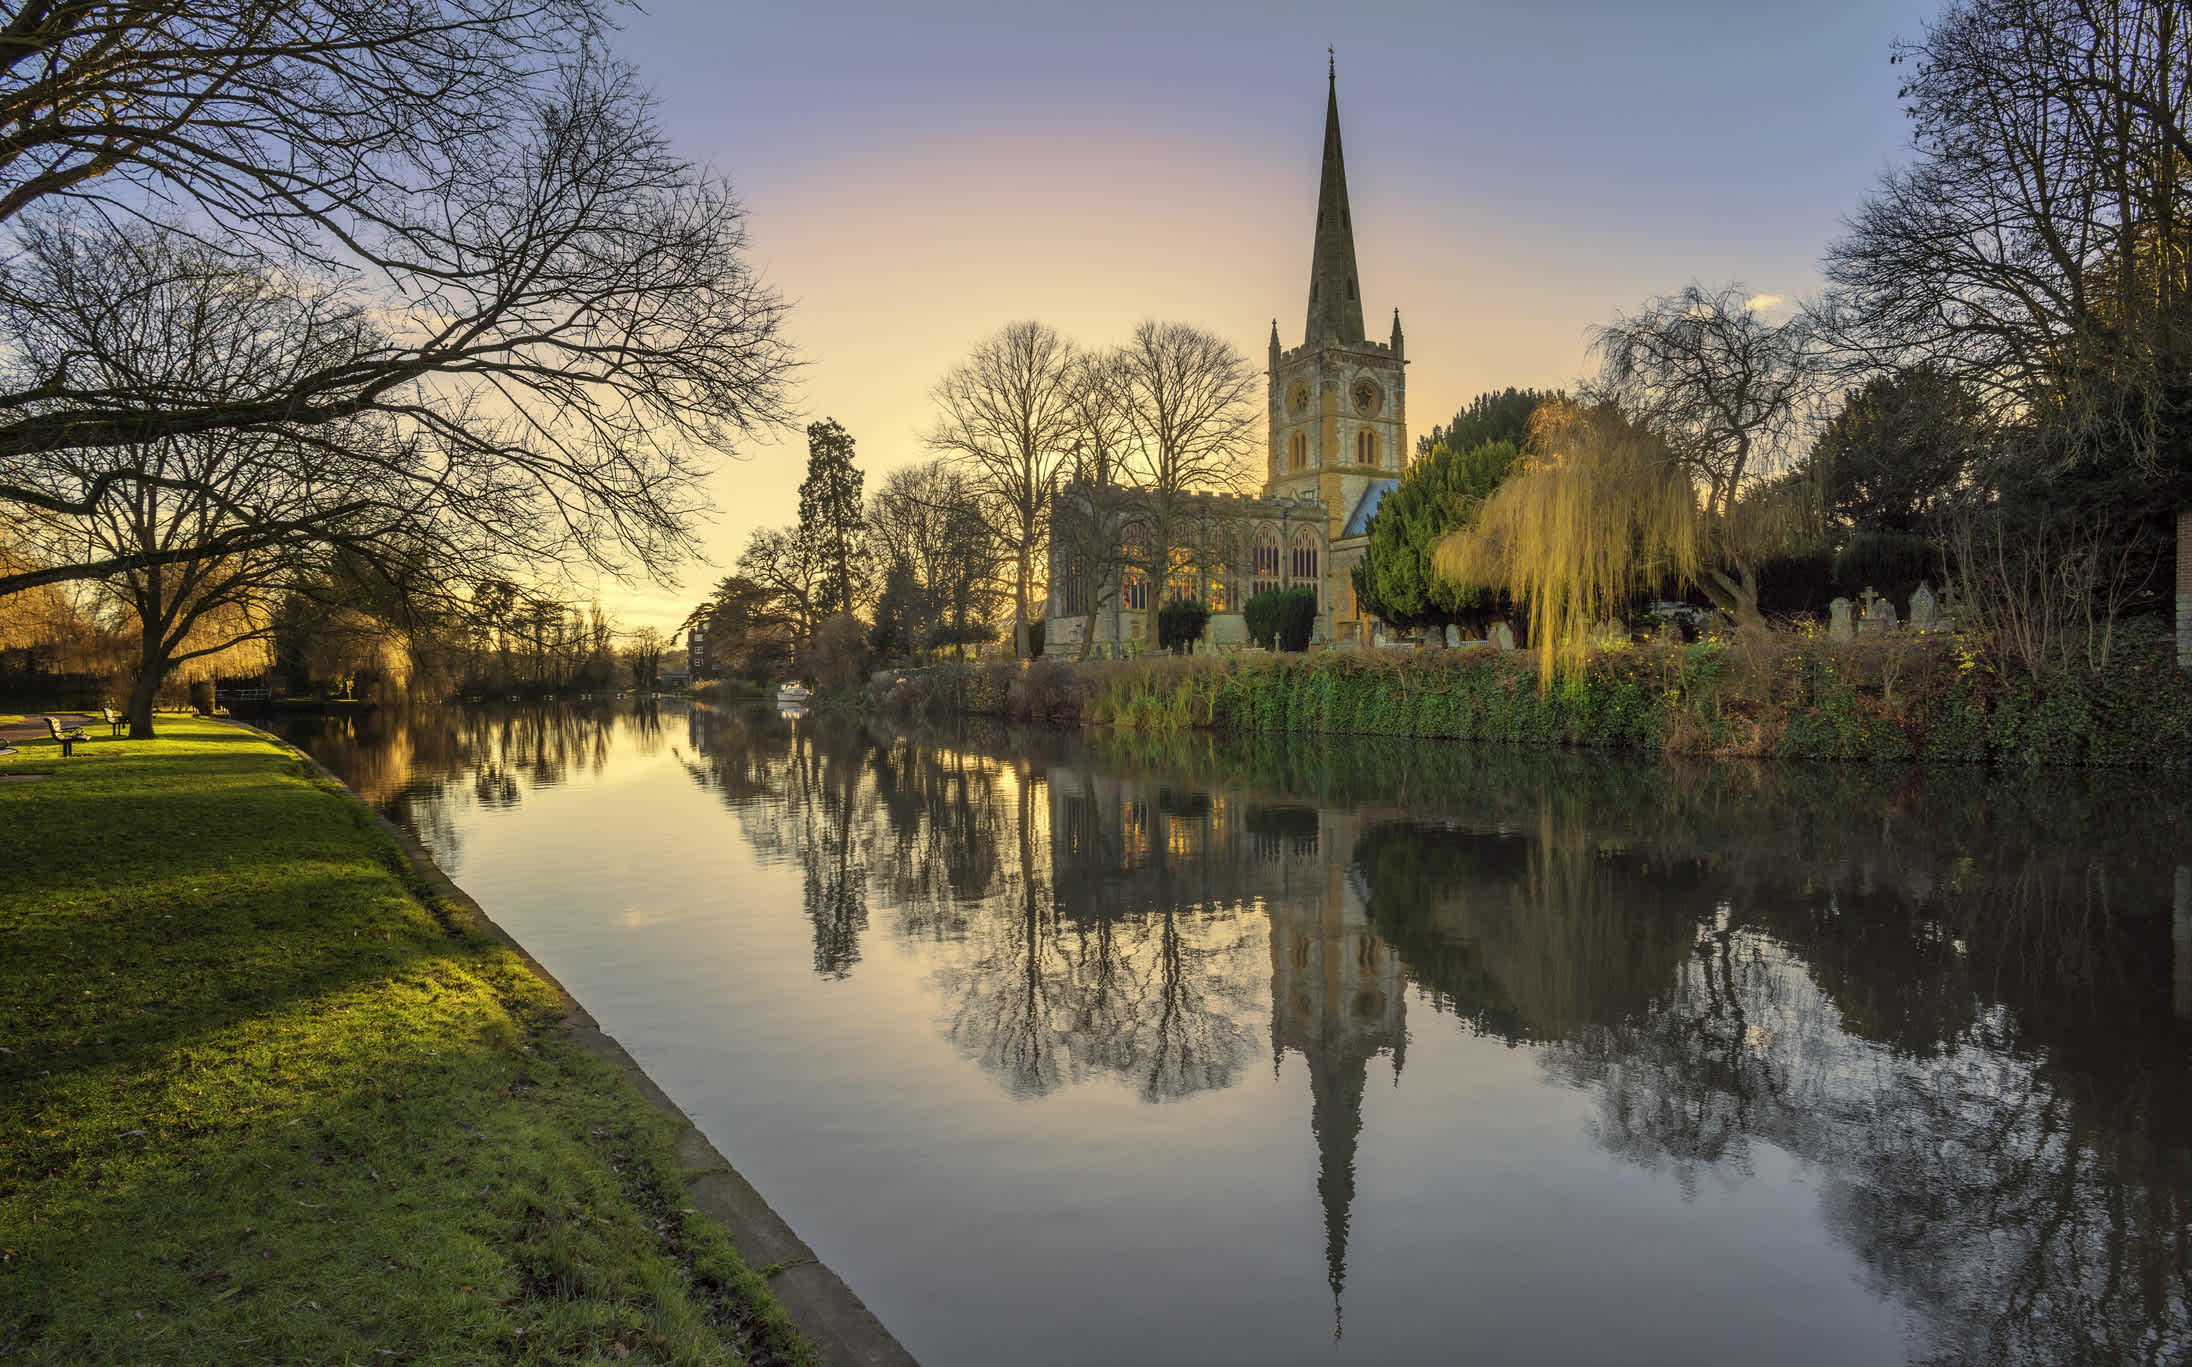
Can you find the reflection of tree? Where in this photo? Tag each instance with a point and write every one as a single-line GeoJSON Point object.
{"type": "Point", "coordinates": [1056, 986]}
{"type": "Point", "coordinates": [419, 765]}
{"type": "Point", "coordinates": [1966, 1025]}
{"type": "Point", "coordinates": [1977, 1192]}
{"type": "Point", "coordinates": [1953, 998]}
{"type": "Point", "coordinates": [833, 825]}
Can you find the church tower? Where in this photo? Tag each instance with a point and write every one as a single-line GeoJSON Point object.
{"type": "Point", "coordinates": [1338, 402]}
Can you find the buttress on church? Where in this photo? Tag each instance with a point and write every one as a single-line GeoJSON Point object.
{"type": "Point", "coordinates": [1337, 444]}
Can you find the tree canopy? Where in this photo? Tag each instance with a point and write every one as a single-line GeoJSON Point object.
{"type": "Point", "coordinates": [1599, 511]}
{"type": "Point", "coordinates": [2039, 247]}
{"type": "Point", "coordinates": [1495, 415]}
{"type": "Point", "coordinates": [447, 224]}
{"type": "Point", "coordinates": [832, 520]}
{"type": "Point", "coordinates": [1898, 451]}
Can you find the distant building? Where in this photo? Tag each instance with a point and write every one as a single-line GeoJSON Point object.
{"type": "Point", "coordinates": [1337, 443]}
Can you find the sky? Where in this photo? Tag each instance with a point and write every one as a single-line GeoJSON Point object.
{"type": "Point", "coordinates": [915, 176]}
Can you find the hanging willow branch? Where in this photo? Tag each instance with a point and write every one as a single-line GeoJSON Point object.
{"type": "Point", "coordinates": [1599, 511]}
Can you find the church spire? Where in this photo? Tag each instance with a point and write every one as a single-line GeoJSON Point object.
{"type": "Point", "coordinates": [1335, 305]}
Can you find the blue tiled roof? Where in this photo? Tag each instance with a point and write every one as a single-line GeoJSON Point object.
{"type": "Point", "coordinates": [1358, 521]}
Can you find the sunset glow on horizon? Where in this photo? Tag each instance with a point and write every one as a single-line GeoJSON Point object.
{"type": "Point", "coordinates": [915, 180]}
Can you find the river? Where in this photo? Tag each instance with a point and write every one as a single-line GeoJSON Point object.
{"type": "Point", "coordinates": [1067, 1049]}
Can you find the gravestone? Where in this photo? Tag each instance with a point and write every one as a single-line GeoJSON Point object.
{"type": "Point", "coordinates": [1453, 636]}
{"type": "Point", "coordinates": [1838, 621]}
{"type": "Point", "coordinates": [1925, 613]}
{"type": "Point", "coordinates": [1869, 621]}
{"type": "Point", "coordinates": [1503, 636]}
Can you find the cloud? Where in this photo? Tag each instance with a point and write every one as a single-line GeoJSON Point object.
{"type": "Point", "coordinates": [1761, 303]}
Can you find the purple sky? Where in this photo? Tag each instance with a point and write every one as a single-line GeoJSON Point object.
{"type": "Point", "coordinates": [916, 176]}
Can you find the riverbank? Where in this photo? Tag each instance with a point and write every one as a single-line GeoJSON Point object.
{"type": "Point", "coordinates": [1915, 698]}
{"type": "Point", "coordinates": [265, 1096]}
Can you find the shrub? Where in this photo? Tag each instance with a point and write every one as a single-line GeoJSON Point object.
{"type": "Point", "coordinates": [1038, 635]}
{"type": "Point", "coordinates": [837, 658]}
{"type": "Point", "coordinates": [1051, 691]}
{"type": "Point", "coordinates": [1180, 624]}
{"type": "Point", "coordinates": [943, 635]}
{"type": "Point", "coordinates": [1892, 563]}
{"type": "Point", "coordinates": [1282, 619]}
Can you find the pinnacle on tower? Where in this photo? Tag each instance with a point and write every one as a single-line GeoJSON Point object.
{"type": "Point", "coordinates": [1335, 304]}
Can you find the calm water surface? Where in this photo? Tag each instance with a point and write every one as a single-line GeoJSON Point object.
{"type": "Point", "coordinates": [1095, 1051]}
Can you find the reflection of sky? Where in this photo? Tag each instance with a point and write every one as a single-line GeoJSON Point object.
{"type": "Point", "coordinates": [1535, 1203]}
{"type": "Point", "coordinates": [919, 175]}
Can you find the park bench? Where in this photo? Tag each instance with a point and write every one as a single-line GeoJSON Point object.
{"type": "Point", "coordinates": [115, 720]}
{"type": "Point", "coordinates": [65, 737]}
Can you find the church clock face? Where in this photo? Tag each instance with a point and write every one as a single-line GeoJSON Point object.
{"type": "Point", "coordinates": [1366, 397]}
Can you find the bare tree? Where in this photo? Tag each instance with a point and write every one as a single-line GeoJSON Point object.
{"type": "Point", "coordinates": [789, 573]}
{"type": "Point", "coordinates": [479, 225]}
{"type": "Point", "coordinates": [928, 520]}
{"type": "Point", "coordinates": [2039, 248]}
{"type": "Point", "coordinates": [1729, 394]}
{"type": "Point", "coordinates": [644, 655]}
{"type": "Point", "coordinates": [1008, 417]}
{"type": "Point", "coordinates": [189, 609]}
{"type": "Point", "coordinates": [1089, 512]}
{"type": "Point", "coordinates": [1191, 412]}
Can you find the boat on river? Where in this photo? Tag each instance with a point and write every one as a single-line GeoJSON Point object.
{"type": "Point", "coordinates": [792, 695]}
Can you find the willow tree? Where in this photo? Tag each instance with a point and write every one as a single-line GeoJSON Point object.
{"type": "Point", "coordinates": [1599, 511]}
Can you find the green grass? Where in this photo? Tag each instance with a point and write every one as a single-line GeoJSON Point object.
{"type": "Point", "coordinates": [259, 1102]}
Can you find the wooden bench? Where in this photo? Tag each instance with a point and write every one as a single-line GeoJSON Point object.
{"type": "Point", "coordinates": [115, 721]}
{"type": "Point", "coordinates": [66, 738]}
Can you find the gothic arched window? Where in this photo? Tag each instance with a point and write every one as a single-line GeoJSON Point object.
{"type": "Point", "coordinates": [1366, 447]}
{"type": "Point", "coordinates": [1297, 451]}
{"type": "Point", "coordinates": [1265, 563]}
{"type": "Point", "coordinates": [1305, 562]}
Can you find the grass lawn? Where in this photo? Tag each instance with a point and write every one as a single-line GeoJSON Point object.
{"type": "Point", "coordinates": [259, 1102]}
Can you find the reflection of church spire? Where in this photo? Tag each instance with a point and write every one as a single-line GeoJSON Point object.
{"type": "Point", "coordinates": [1335, 1115]}
{"type": "Point", "coordinates": [1338, 999]}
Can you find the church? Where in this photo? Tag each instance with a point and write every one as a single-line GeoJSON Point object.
{"type": "Point", "coordinates": [1337, 443]}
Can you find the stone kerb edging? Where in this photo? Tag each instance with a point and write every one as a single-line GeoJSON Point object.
{"type": "Point", "coordinates": [844, 1332]}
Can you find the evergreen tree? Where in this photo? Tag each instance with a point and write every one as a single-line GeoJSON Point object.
{"type": "Point", "coordinates": [830, 520]}
{"type": "Point", "coordinates": [1899, 451]}
{"type": "Point", "coordinates": [1495, 415]}
{"type": "Point", "coordinates": [1394, 580]}
{"type": "Point", "coordinates": [899, 612]}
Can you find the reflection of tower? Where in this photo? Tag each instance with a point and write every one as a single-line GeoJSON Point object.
{"type": "Point", "coordinates": [1336, 998]}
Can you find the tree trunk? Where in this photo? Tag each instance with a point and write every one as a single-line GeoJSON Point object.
{"type": "Point", "coordinates": [151, 664]}
{"type": "Point", "coordinates": [1088, 627]}
{"type": "Point", "coordinates": [1020, 642]}
{"type": "Point", "coordinates": [1737, 597]}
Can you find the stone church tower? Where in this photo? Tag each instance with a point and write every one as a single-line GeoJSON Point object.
{"type": "Point", "coordinates": [1338, 403]}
